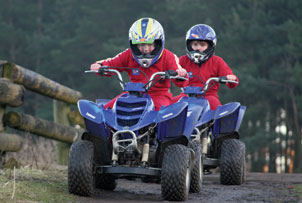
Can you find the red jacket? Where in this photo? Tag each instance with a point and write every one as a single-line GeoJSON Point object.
{"type": "Point", "coordinates": [214, 67]}
{"type": "Point", "coordinates": [160, 92]}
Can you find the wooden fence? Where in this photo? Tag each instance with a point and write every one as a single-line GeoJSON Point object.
{"type": "Point", "coordinates": [14, 82]}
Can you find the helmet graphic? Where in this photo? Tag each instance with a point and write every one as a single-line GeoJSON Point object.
{"type": "Point", "coordinates": [201, 32]}
{"type": "Point", "coordinates": [146, 31]}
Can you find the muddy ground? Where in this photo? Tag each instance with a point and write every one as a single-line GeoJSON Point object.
{"type": "Point", "coordinates": [258, 187]}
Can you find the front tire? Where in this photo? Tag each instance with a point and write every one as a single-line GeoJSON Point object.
{"type": "Point", "coordinates": [176, 172]}
{"type": "Point", "coordinates": [106, 182]}
{"type": "Point", "coordinates": [80, 168]}
{"type": "Point", "coordinates": [232, 162]}
{"type": "Point", "coordinates": [197, 171]}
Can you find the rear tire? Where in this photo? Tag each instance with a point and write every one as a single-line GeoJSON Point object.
{"type": "Point", "coordinates": [80, 168]}
{"type": "Point", "coordinates": [176, 172]}
{"type": "Point", "coordinates": [232, 162]}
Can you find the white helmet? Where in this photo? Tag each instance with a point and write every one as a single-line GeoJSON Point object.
{"type": "Point", "coordinates": [146, 31]}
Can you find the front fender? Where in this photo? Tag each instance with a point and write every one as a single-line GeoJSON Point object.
{"type": "Point", "coordinates": [171, 121]}
{"type": "Point", "coordinates": [240, 117]}
{"type": "Point", "coordinates": [171, 111]}
{"type": "Point", "coordinates": [193, 115]}
{"type": "Point", "coordinates": [226, 109]}
{"type": "Point", "coordinates": [91, 111]}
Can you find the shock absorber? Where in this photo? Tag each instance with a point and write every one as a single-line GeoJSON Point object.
{"type": "Point", "coordinates": [204, 142]}
{"type": "Point", "coordinates": [146, 150]}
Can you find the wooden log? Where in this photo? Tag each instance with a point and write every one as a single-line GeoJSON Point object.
{"type": "Point", "coordinates": [39, 83]}
{"type": "Point", "coordinates": [11, 94]}
{"type": "Point", "coordinates": [10, 142]}
{"type": "Point", "coordinates": [76, 118]}
{"type": "Point", "coordinates": [42, 127]}
{"type": "Point", "coordinates": [2, 62]}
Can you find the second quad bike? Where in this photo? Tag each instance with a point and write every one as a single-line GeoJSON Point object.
{"type": "Point", "coordinates": [218, 133]}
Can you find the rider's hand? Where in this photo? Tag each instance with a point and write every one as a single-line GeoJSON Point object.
{"type": "Point", "coordinates": [231, 77]}
{"type": "Point", "coordinates": [95, 66]}
{"type": "Point", "coordinates": [181, 72]}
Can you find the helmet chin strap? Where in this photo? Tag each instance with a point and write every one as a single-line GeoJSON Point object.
{"type": "Point", "coordinates": [145, 63]}
{"type": "Point", "coordinates": [198, 57]}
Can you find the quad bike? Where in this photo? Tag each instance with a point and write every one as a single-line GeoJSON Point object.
{"type": "Point", "coordinates": [132, 140]}
{"type": "Point", "coordinates": [217, 132]}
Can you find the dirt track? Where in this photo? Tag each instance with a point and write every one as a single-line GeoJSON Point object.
{"type": "Point", "coordinates": [258, 187]}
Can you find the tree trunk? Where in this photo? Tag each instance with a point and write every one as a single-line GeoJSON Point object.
{"type": "Point", "coordinates": [298, 139]}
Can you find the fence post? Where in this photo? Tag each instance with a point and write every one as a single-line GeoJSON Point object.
{"type": "Point", "coordinates": [60, 114]}
{"type": "Point", "coordinates": [2, 111]}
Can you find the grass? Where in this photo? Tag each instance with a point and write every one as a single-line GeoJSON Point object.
{"type": "Point", "coordinates": [31, 185]}
{"type": "Point", "coordinates": [297, 192]}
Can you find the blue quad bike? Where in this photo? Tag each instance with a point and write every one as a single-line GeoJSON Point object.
{"type": "Point", "coordinates": [132, 140]}
{"type": "Point", "coordinates": [217, 133]}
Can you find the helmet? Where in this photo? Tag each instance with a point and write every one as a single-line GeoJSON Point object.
{"type": "Point", "coordinates": [146, 31]}
{"type": "Point", "coordinates": [201, 32]}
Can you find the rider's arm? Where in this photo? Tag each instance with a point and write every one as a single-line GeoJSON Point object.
{"type": "Point", "coordinates": [225, 70]}
{"type": "Point", "coordinates": [174, 65]}
{"type": "Point", "coordinates": [120, 60]}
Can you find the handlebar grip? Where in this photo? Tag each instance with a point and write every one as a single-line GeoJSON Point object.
{"type": "Point", "coordinates": [223, 79]}
{"type": "Point", "coordinates": [182, 79]}
{"type": "Point", "coordinates": [171, 73]}
{"type": "Point", "coordinates": [104, 67]}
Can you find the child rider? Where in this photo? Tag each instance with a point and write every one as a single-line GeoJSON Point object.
{"type": "Point", "coordinates": [201, 61]}
{"type": "Point", "coordinates": [147, 53]}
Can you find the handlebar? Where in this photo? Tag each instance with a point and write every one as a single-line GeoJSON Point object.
{"type": "Point", "coordinates": [196, 91]}
{"type": "Point", "coordinates": [104, 70]}
{"type": "Point", "coordinates": [222, 79]}
{"type": "Point", "coordinates": [170, 74]}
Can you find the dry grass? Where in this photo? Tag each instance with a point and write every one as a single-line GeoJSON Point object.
{"type": "Point", "coordinates": [32, 185]}
{"type": "Point", "coordinates": [37, 178]}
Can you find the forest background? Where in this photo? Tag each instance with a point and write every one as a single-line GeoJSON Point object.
{"type": "Point", "coordinates": [260, 40]}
